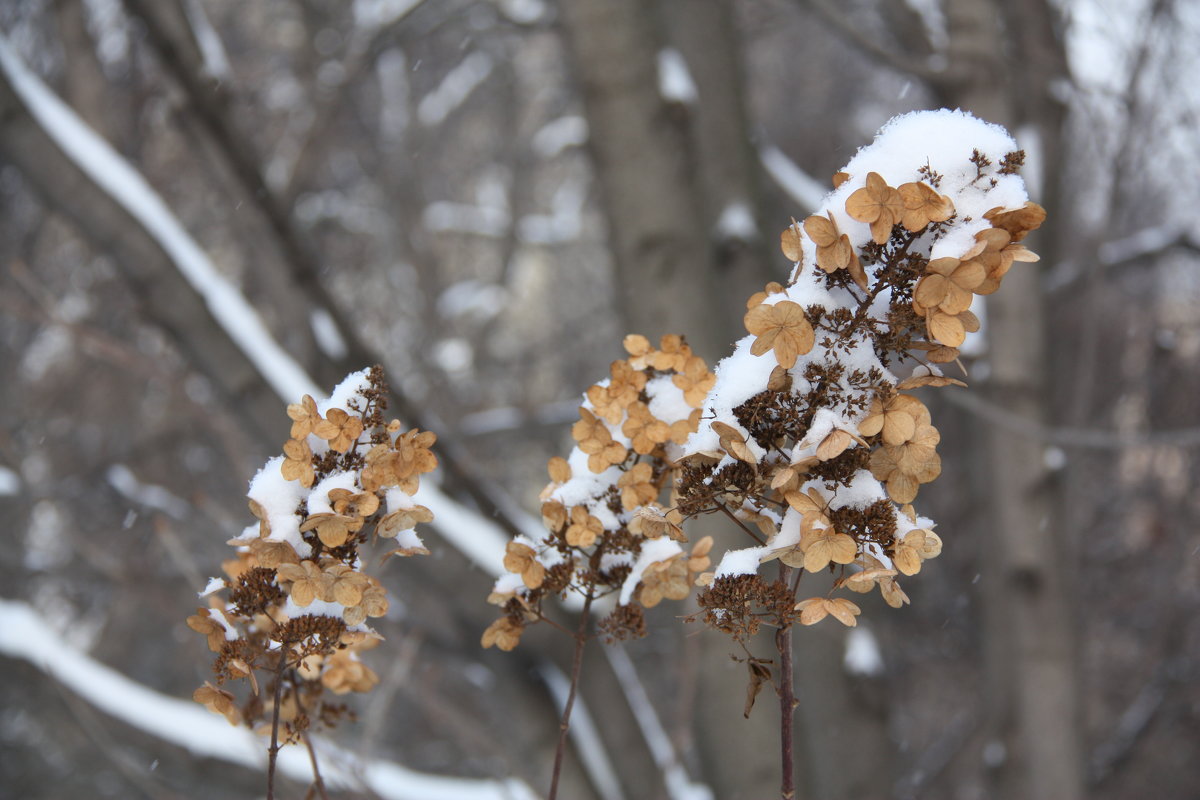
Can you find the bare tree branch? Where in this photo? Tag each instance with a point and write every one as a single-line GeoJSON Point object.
{"type": "Point", "coordinates": [838, 20]}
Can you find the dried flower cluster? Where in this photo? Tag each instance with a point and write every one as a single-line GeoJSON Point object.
{"type": "Point", "coordinates": [606, 531]}
{"type": "Point", "coordinates": [298, 599]}
{"type": "Point", "coordinates": [811, 440]}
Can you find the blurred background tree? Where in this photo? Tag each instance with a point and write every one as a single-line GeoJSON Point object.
{"type": "Point", "coordinates": [485, 196]}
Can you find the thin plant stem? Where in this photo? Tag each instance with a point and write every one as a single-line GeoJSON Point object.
{"type": "Point", "coordinates": [273, 752]}
{"type": "Point", "coordinates": [318, 784]}
{"type": "Point", "coordinates": [787, 694]}
{"type": "Point", "coordinates": [787, 708]}
{"type": "Point", "coordinates": [724, 510]}
{"type": "Point", "coordinates": [565, 725]}
{"type": "Point", "coordinates": [318, 781]}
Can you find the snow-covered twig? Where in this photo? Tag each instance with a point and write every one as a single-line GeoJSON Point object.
{"type": "Point", "coordinates": [805, 190]}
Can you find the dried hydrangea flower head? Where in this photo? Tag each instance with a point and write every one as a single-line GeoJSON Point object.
{"type": "Point", "coordinates": [606, 532]}
{"type": "Point", "coordinates": [811, 439]}
{"type": "Point", "coordinates": [296, 601]}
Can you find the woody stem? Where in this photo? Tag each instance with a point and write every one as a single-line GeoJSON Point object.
{"type": "Point", "coordinates": [740, 524]}
{"type": "Point", "coordinates": [565, 724]}
{"type": "Point", "coordinates": [273, 752]}
{"type": "Point", "coordinates": [787, 700]}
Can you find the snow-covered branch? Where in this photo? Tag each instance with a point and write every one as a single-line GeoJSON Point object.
{"type": "Point", "coordinates": [24, 635]}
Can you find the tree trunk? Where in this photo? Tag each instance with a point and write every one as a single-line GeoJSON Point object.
{"type": "Point", "coordinates": [1033, 705]}
{"type": "Point", "coordinates": [660, 243]}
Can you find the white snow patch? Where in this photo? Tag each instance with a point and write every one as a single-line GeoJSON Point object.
{"type": "Point", "coordinates": [559, 134]}
{"type": "Point", "coordinates": [212, 51]}
{"type": "Point", "coordinates": [121, 478]}
{"type": "Point", "coordinates": [740, 562]}
{"type": "Point", "coordinates": [10, 482]}
{"type": "Point", "coordinates": [46, 544]}
{"type": "Point", "coordinates": [474, 299]}
{"type": "Point", "coordinates": [675, 82]}
{"type": "Point", "coordinates": [454, 88]}
{"type": "Point", "coordinates": [326, 332]}
{"type": "Point", "coordinates": [862, 656]}
{"type": "Point", "coordinates": [736, 222]}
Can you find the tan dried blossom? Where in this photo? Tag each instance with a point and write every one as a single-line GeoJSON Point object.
{"type": "Point", "coordinates": [304, 416]}
{"type": "Point", "coordinates": [402, 519]}
{"type": "Point", "coordinates": [791, 243]}
{"type": "Point", "coordinates": [309, 582]}
{"type": "Point", "coordinates": [781, 327]}
{"type": "Point", "coordinates": [672, 354]}
{"type": "Point", "coordinates": [644, 430]}
{"type": "Point", "coordinates": [374, 603]}
{"type": "Point", "coordinates": [332, 529]}
{"type": "Point", "coordinates": [896, 418]}
{"type": "Point", "coordinates": [352, 504]}
{"type": "Point", "coordinates": [203, 623]}
{"type": "Point", "coordinates": [834, 250]}
{"type": "Point", "coordinates": [916, 381]}
{"type": "Point", "coordinates": [821, 546]}
{"type": "Point", "coordinates": [813, 507]}
{"type": "Point", "coordinates": [950, 329]}
{"type": "Point", "coordinates": [1018, 222]}
{"type": "Point", "coordinates": [893, 595]}
{"type": "Point", "coordinates": [916, 546]}
{"type": "Point", "coordinates": [995, 251]}
{"type": "Point", "coordinates": [905, 467]}
{"type": "Point", "coordinates": [347, 584]}
{"type": "Point", "coordinates": [339, 429]}
{"type": "Point", "coordinates": [866, 580]}
{"type": "Point", "coordinates": [758, 298]}
{"type": "Point", "coordinates": [595, 439]}
{"type": "Point", "coordinates": [344, 673]}
{"type": "Point", "coordinates": [879, 205]}
{"type": "Point", "coordinates": [559, 469]}
{"type": "Point", "coordinates": [835, 443]}
{"type": "Point", "coordinates": [218, 701]}
{"type": "Point", "coordinates": [297, 464]}
{"type": "Point", "coordinates": [637, 486]}
{"type": "Point", "coordinates": [815, 609]}
{"type": "Point", "coordinates": [504, 633]}
{"type": "Point", "coordinates": [923, 205]}
{"type": "Point", "coordinates": [271, 554]}
{"type": "Point", "coordinates": [554, 515]}
{"type": "Point", "coordinates": [639, 350]}
{"type": "Point", "coordinates": [698, 559]}
{"type": "Point", "coordinates": [681, 429]}
{"type": "Point", "coordinates": [402, 464]}
{"type": "Point", "coordinates": [415, 456]}
{"type": "Point", "coordinates": [667, 579]}
{"type": "Point", "coordinates": [948, 285]}
{"type": "Point", "coordinates": [622, 390]}
{"type": "Point", "coordinates": [653, 521]}
{"type": "Point", "coordinates": [695, 381]}
{"type": "Point", "coordinates": [584, 528]}
{"type": "Point", "coordinates": [733, 442]}
{"type": "Point", "coordinates": [522, 560]}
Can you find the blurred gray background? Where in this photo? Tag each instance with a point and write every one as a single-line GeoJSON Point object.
{"type": "Point", "coordinates": [485, 196]}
